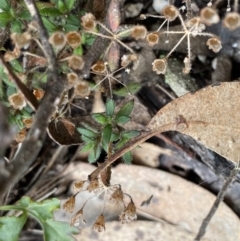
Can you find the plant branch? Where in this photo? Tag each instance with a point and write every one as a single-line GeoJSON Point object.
{"type": "Point", "coordinates": [11, 172]}
{"type": "Point", "coordinates": [216, 204]}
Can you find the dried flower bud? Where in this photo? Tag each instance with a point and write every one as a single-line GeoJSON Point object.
{"type": "Point", "coordinates": [214, 44]}
{"type": "Point", "coordinates": [28, 122]}
{"type": "Point", "coordinates": [75, 62]}
{"type": "Point", "coordinates": [139, 32]}
{"type": "Point", "coordinates": [159, 66]}
{"type": "Point", "coordinates": [129, 213]}
{"type": "Point", "coordinates": [93, 186]}
{"type": "Point", "coordinates": [99, 225]}
{"type": "Point", "coordinates": [78, 186]}
{"type": "Point", "coordinates": [21, 135]}
{"type": "Point", "coordinates": [21, 40]}
{"type": "Point", "coordinates": [152, 39]}
{"type": "Point", "coordinates": [11, 55]}
{"type": "Point", "coordinates": [117, 196]}
{"type": "Point", "coordinates": [195, 25]}
{"type": "Point", "coordinates": [17, 101]}
{"type": "Point", "coordinates": [39, 93]}
{"type": "Point", "coordinates": [232, 21]}
{"type": "Point", "coordinates": [127, 59]}
{"type": "Point", "coordinates": [99, 67]}
{"type": "Point", "coordinates": [76, 218]}
{"type": "Point", "coordinates": [170, 12]}
{"type": "Point", "coordinates": [188, 66]}
{"type": "Point", "coordinates": [74, 39]}
{"type": "Point", "coordinates": [89, 22]}
{"type": "Point", "coordinates": [58, 40]}
{"type": "Point", "coordinates": [33, 29]}
{"type": "Point", "coordinates": [209, 16]}
{"type": "Point", "coordinates": [82, 89]}
{"type": "Point", "coordinates": [69, 205]}
{"type": "Point", "coordinates": [72, 79]}
{"type": "Point", "coordinates": [142, 17]}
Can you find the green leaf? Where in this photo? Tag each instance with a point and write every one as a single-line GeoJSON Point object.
{"type": "Point", "coordinates": [121, 143]}
{"type": "Point", "coordinates": [78, 51]}
{"type": "Point", "coordinates": [114, 137]}
{"type": "Point", "coordinates": [70, 4]}
{"type": "Point", "coordinates": [4, 5]}
{"type": "Point", "coordinates": [16, 26]}
{"type": "Point", "coordinates": [130, 134]}
{"type": "Point", "coordinates": [87, 147]}
{"type": "Point", "coordinates": [16, 65]}
{"type": "Point", "coordinates": [87, 132]}
{"type": "Point", "coordinates": [100, 118]}
{"type": "Point", "coordinates": [122, 119]}
{"type": "Point", "coordinates": [40, 210]}
{"type": "Point", "coordinates": [24, 15]}
{"type": "Point", "coordinates": [127, 158]}
{"type": "Point", "coordinates": [70, 27]}
{"type": "Point", "coordinates": [5, 17]}
{"type": "Point", "coordinates": [131, 89]}
{"type": "Point", "coordinates": [110, 106]}
{"type": "Point", "coordinates": [10, 227]}
{"type": "Point", "coordinates": [73, 19]}
{"type": "Point", "coordinates": [58, 231]}
{"type": "Point", "coordinates": [62, 6]}
{"type": "Point", "coordinates": [126, 110]}
{"type": "Point", "coordinates": [86, 139]}
{"type": "Point", "coordinates": [49, 25]}
{"type": "Point", "coordinates": [107, 133]}
{"type": "Point", "coordinates": [94, 154]}
{"type": "Point", "coordinates": [50, 12]}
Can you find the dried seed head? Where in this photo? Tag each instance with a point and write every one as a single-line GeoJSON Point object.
{"type": "Point", "coordinates": [76, 218]}
{"type": "Point", "coordinates": [129, 213]}
{"type": "Point", "coordinates": [17, 101]}
{"type": "Point", "coordinates": [209, 16]}
{"type": "Point", "coordinates": [78, 186]}
{"type": "Point", "coordinates": [28, 122]}
{"type": "Point", "coordinates": [127, 59]}
{"type": "Point", "coordinates": [195, 25]}
{"type": "Point", "coordinates": [170, 12]}
{"type": "Point", "coordinates": [74, 39]}
{"type": "Point", "coordinates": [72, 79]}
{"type": "Point", "coordinates": [93, 186]}
{"type": "Point", "coordinates": [11, 55]}
{"type": "Point", "coordinates": [214, 44]}
{"type": "Point", "coordinates": [69, 205]}
{"type": "Point", "coordinates": [188, 66]}
{"type": "Point", "coordinates": [139, 32]}
{"type": "Point", "coordinates": [82, 89]}
{"type": "Point", "coordinates": [152, 39]}
{"type": "Point", "coordinates": [117, 197]}
{"type": "Point", "coordinates": [159, 66]}
{"type": "Point", "coordinates": [58, 40]}
{"type": "Point", "coordinates": [232, 21]}
{"type": "Point", "coordinates": [33, 29]}
{"type": "Point", "coordinates": [88, 22]}
{"type": "Point", "coordinates": [99, 225]}
{"type": "Point", "coordinates": [75, 62]}
{"type": "Point", "coordinates": [21, 40]}
{"type": "Point", "coordinates": [21, 135]}
{"type": "Point", "coordinates": [99, 67]}
{"type": "Point", "coordinates": [39, 93]}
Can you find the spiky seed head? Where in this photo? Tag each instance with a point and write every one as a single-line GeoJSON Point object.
{"type": "Point", "coordinates": [99, 67]}
{"type": "Point", "coordinates": [82, 89]}
{"type": "Point", "coordinates": [39, 93]}
{"type": "Point", "coordinates": [214, 44]}
{"type": "Point", "coordinates": [28, 122]}
{"type": "Point", "coordinates": [232, 21]}
{"type": "Point", "coordinates": [58, 40]}
{"type": "Point", "coordinates": [170, 12]}
{"type": "Point", "coordinates": [76, 62]}
{"type": "Point", "coordinates": [21, 135]}
{"type": "Point", "coordinates": [89, 22]}
{"type": "Point", "coordinates": [209, 16]}
{"type": "Point", "coordinates": [74, 39]}
{"type": "Point", "coordinates": [99, 225]}
{"type": "Point", "coordinates": [72, 79]}
{"type": "Point", "coordinates": [152, 39]}
{"type": "Point", "coordinates": [139, 32]}
{"type": "Point", "coordinates": [129, 213]}
{"type": "Point", "coordinates": [21, 40]}
{"type": "Point", "coordinates": [69, 205]}
{"type": "Point", "coordinates": [17, 100]}
{"type": "Point", "coordinates": [159, 66]}
{"type": "Point", "coordinates": [117, 196]}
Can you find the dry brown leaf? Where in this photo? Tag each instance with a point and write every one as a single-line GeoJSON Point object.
{"type": "Point", "coordinates": [210, 115]}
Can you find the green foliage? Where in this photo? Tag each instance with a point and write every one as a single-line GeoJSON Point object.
{"type": "Point", "coordinates": [131, 89]}
{"type": "Point", "coordinates": [11, 226]}
{"type": "Point", "coordinates": [110, 135]}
